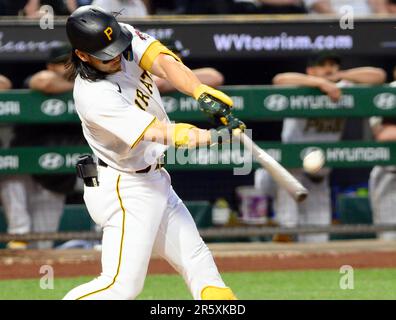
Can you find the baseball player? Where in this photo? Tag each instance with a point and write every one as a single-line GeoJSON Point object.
{"type": "Point", "coordinates": [127, 128]}
{"type": "Point", "coordinates": [323, 72]}
{"type": "Point", "coordinates": [382, 182]}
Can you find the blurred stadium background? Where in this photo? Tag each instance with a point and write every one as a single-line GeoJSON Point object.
{"type": "Point", "coordinates": [248, 42]}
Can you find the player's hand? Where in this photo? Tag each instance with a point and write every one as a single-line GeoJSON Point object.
{"type": "Point", "coordinates": [331, 90]}
{"type": "Point", "coordinates": [224, 133]}
{"type": "Point", "coordinates": [185, 135]}
{"type": "Point", "coordinates": [230, 123]}
{"type": "Point", "coordinates": [203, 91]}
{"type": "Point", "coordinates": [212, 106]}
{"type": "Point", "coordinates": [212, 102]}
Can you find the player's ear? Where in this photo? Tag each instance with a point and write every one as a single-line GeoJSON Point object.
{"type": "Point", "coordinates": [82, 55]}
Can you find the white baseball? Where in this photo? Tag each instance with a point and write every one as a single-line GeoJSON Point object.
{"type": "Point", "coordinates": [313, 161]}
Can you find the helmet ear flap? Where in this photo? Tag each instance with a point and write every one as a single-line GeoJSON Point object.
{"type": "Point", "coordinates": [127, 53]}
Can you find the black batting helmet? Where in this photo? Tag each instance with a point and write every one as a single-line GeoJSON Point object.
{"type": "Point", "coordinates": [97, 32]}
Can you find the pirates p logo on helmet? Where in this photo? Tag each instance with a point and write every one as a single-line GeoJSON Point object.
{"type": "Point", "coordinates": [108, 32]}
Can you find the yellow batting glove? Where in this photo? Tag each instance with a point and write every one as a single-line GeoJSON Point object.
{"type": "Point", "coordinates": [203, 88]}
{"type": "Point", "coordinates": [180, 134]}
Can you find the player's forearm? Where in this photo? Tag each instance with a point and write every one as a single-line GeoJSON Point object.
{"type": "Point", "coordinates": [71, 5]}
{"type": "Point", "coordinates": [386, 133]}
{"type": "Point", "coordinates": [322, 6]}
{"type": "Point", "coordinates": [297, 79]}
{"type": "Point", "coordinates": [60, 86]}
{"type": "Point", "coordinates": [366, 75]}
{"type": "Point", "coordinates": [379, 6]}
{"type": "Point", "coordinates": [178, 75]}
{"type": "Point", "coordinates": [163, 85]}
{"type": "Point", "coordinates": [208, 76]}
{"type": "Point", "coordinates": [31, 8]}
{"type": "Point", "coordinates": [48, 82]}
{"type": "Point", "coordinates": [177, 134]}
{"type": "Point", "coordinates": [5, 84]}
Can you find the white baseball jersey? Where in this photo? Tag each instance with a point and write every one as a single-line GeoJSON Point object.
{"type": "Point", "coordinates": [116, 112]}
{"type": "Point", "coordinates": [313, 129]}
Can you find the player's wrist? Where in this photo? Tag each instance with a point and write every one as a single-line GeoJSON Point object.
{"type": "Point", "coordinates": [200, 91]}
{"type": "Point", "coordinates": [185, 135]}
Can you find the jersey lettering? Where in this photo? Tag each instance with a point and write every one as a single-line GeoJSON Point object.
{"type": "Point", "coordinates": [139, 105]}
{"type": "Point", "coordinates": [146, 75]}
{"type": "Point", "coordinates": [147, 81]}
{"type": "Point", "coordinates": [324, 125]}
{"type": "Point", "coordinates": [142, 97]}
{"type": "Point", "coordinates": [149, 86]}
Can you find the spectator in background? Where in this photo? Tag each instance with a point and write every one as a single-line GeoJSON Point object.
{"type": "Point", "coordinates": [208, 76]}
{"type": "Point", "coordinates": [14, 7]}
{"type": "Point", "coordinates": [269, 6]}
{"type": "Point", "coordinates": [32, 8]}
{"type": "Point", "coordinates": [360, 7]}
{"type": "Point", "coordinates": [391, 6]}
{"type": "Point", "coordinates": [203, 6]}
{"type": "Point", "coordinates": [34, 203]}
{"type": "Point", "coordinates": [323, 72]}
{"type": "Point", "coordinates": [382, 182]}
{"type": "Point", "coordinates": [74, 4]}
{"type": "Point", "coordinates": [282, 6]}
{"type": "Point", "coordinates": [239, 6]}
{"type": "Point", "coordinates": [130, 8]}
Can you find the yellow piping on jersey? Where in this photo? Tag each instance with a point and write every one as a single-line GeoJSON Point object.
{"type": "Point", "coordinates": [121, 245]}
{"type": "Point", "coordinates": [152, 52]}
{"type": "Point", "coordinates": [142, 134]}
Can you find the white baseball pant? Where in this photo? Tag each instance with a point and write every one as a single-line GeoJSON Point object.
{"type": "Point", "coordinates": [382, 187]}
{"type": "Point", "coordinates": [141, 214]}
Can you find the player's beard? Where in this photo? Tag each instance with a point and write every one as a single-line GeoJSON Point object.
{"type": "Point", "coordinates": [115, 70]}
{"type": "Point", "coordinates": [110, 67]}
{"type": "Point", "coordinates": [114, 67]}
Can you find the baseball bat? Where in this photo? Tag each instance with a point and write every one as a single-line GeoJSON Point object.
{"type": "Point", "coordinates": [278, 173]}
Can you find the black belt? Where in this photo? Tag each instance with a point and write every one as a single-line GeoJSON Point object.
{"type": "Point", "coordinates": [145, 170]}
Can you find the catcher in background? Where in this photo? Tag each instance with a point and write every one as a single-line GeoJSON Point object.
{"type": "Point", "coordinates": [382, 182]}
{"type": "Point", "coordinates": [323, 72]}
